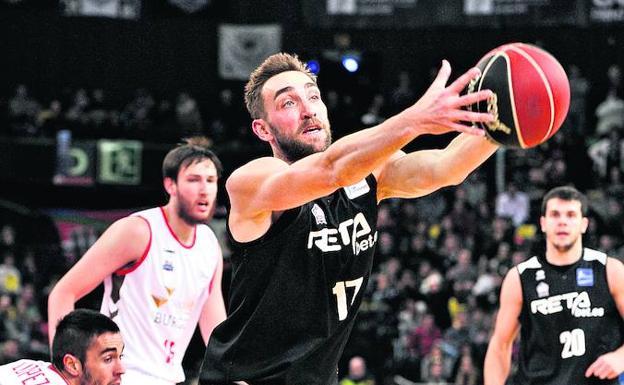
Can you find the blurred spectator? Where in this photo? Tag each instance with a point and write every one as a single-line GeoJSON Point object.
{"type": "Point", "coordinates": [514, 204]}
{"type": "Point", "coordinates": [436, 359]}
{"type": "Point", "coordinates": [374, 114]}
{"type": "Point", "coordinates": [458, 335]}
{"type": "Point", "coordinates": [50, 119]}
{"type": "Point", "coordinates": [606, 153]}
{"type": "Point", "coordinates": [467, 372]}
{"type": "Point", "coordinates": [23, 111]}
{"type": "Point", "coordinates": [188, 116]}
{"type": "Point", "coordinates": [10, 351]}
{"type": "Point", "coordinates": [76, 112]}
{"type": "Point", "coordinates": [358, 374]}
{"type": "Point", "coordinates": [610, 112]}
{"type": "Point", "coordinates": [137, 116]}
{"type": "Point", "coordinates": [423, 337]}
{"type": "Point", "coordinates": [8, 238]}
{"type": "Point", "coordinates": [10, 276]}
{"type": "Point", "coordinates": [402, 95]}
{"type": "Point", "coordinates": [434, 374]}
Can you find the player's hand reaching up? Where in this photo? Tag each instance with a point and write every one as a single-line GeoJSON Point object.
{"type": "Point", "coordinates": [440, 110]}
{"type": "Point", "coordinates": [609, 365]}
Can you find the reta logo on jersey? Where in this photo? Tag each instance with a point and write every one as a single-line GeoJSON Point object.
{"type": "Point", "coordinates": [578, 303]}
{"type": "Point", "coordinates": [355, 232]}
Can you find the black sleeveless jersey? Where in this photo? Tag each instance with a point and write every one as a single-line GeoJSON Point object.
{"type": "Point", "coordinates": [295, 293]}
{"type": "Point", "coordinates": [568, 320]}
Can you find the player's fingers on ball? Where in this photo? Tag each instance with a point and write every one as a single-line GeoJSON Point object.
{"type": "Point", "coordinates": [461, 82]}
{"type": "Point", "coordinates": [443, 75]}
{"type": "Point", "coordinates": [470, 116]}
{"type": "Point", "coordinates": [474, 97]}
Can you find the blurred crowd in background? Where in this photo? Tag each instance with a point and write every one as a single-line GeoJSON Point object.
{"type": "Point", "coordinates": [430, 305]}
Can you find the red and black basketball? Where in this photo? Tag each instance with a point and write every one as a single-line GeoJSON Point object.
{"type": "Point", "coordinates": [532, 94]}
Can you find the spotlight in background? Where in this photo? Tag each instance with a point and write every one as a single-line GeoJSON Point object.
{"type": "Point", "coordinates": [351, 63]}
{"type": "Point", "coordinates": [314, 66]}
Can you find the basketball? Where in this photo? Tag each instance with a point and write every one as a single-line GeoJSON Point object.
{"type": "Point", "coordinates": [531, 94]}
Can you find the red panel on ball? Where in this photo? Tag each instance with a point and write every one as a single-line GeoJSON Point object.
{"type": "Point", "coordinates": [558, 80]}
{"type": "Point", "coordinates": [533, 104]}
{"type": "Point", "coordinates": [534, 89]}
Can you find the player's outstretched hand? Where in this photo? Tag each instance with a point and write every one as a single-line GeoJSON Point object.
{"type": "Point", "coordinates": [609, 365]}
{"type": "Point", "coordinates": [440, 110]}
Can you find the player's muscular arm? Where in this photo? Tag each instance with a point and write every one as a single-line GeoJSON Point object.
{"type": "Point", "coordinates": [268, 185]}
{"type": "Point", "coordinates": [422, 172]}
{"type": "Point", "coordinates": [498, 356]}
{"type": "Point", "coordinates": [122, 243]}
{"type": "Point", "coordinates": [611, 364]}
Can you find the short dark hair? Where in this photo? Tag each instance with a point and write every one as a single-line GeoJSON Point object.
{"type": "Point", "coordinates": [273, 65]}
{"type": "Point", "coordinates": [566, 193]}
{"type": "Point", "coordinates": [75, 333]}
{"type": "Point", "coordinates": [189, 151]}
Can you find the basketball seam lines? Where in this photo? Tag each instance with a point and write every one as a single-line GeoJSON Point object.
{"type": "Point", "coordinates": [491, 61]}
{"type": "Point", "coordinates": [546, 84]}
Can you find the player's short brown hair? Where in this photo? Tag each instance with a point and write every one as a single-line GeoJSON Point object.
{"type": "Point", "coordinates": [566, 193]}
{"type": "Point", "coordinates": [273, 65]}
{"type": "Point", "coordinates": [190, 150]}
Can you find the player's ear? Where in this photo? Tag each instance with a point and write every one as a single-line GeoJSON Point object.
{"type": "Point", "coordinates": [169, 186]}
{"type": "Point", "coordinates": [584, 225]}
{"type": "Point", "coordinates": [542, 220]}
{"type": "Point", "coordinates": [72, 365]}
{"type": "Point", "coordinates": [261, 129]}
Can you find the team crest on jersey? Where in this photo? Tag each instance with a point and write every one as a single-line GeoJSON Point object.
{"type": "Point", "coordinates": [540, 275]}
{"type": "Point", "coordinates": [319, 215]}
{"type": "Point", "coordinates": [542, 289]}
{"type": "Point", "coordinates": [584, 277]}
{"type": "Point", "coordinates": [357, 190]}
{"type": "Point", "coordinates": [168, 266]}
{"type": "Point", "coordinates": [159, 301]}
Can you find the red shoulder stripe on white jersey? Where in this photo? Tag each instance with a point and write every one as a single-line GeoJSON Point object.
{"type": "Point", "coordinates": [135, 265]}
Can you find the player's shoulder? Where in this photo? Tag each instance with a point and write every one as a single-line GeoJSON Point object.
{"type": "Point", "coordinates": [530, 264]}
{"type": "Point", "coordinates": [131, 227]}
{"type": "Point", "coordinates": [259, 165]}
{"type": "Point", "coordinates": [615, 264]}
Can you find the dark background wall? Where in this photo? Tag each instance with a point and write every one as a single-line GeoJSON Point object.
{"type": "Point", "coordinates": [167, 51]}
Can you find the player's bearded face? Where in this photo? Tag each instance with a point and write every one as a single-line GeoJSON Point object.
{"type": "Point", "coordinates": [196, 192]}
{"type": "Point", "coordinates": [188, 215]}
{"type": "Point", "coordinates": [563, 224]}
{"type": "Point", "coordinates": [294, 148]}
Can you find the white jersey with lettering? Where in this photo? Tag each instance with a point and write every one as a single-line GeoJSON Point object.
{"type": "Point", "coordinates": [30, 372]}
{"type": "Point", "coordinates": [157, 301]}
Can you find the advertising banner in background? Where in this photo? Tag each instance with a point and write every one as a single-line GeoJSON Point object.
{"type": "Point", "coordinates": [116, 9]}
{"type": "Point", "coordinates": [75, 161]}
{"type": "Point", "coordinates": [119, 161]}
{"type": "Point", "coordinates": [398, 14]}
{"type": "Point", "coordinates": [606, 11]}
{"type": "Point", "coordinates": [243, 47]}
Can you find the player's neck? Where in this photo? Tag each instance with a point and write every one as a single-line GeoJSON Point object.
{"type": "Point", "coordinates": [184, 231]}
{"type": "Point", "coordinates": [564, 257]}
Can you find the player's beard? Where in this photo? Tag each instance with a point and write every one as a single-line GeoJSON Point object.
{"type": "Point", "coordinates": [87, 379]}
{"type": "Point", "coordinates": [294, 149]}
{"type": "Point", "coordinates": [184, 212]}
{"type": "Point", "coordinates": [564, 248]}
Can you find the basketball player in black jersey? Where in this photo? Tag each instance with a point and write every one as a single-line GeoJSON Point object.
{"type": "Point", "coordinates": [303, 222]}
{"type": "Point", "coordinates": [568, 306]}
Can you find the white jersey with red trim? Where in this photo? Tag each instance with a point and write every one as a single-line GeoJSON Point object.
{"type": "Point", "coordinates": [157, 301]}
{"type": "Point", "coordinates": [30, 372]}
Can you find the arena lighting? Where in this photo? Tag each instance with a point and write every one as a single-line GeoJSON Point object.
{"type": "Point", "coordinates": [314, 66]}
{"type": "Point", "coordinates": [351, 63]}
